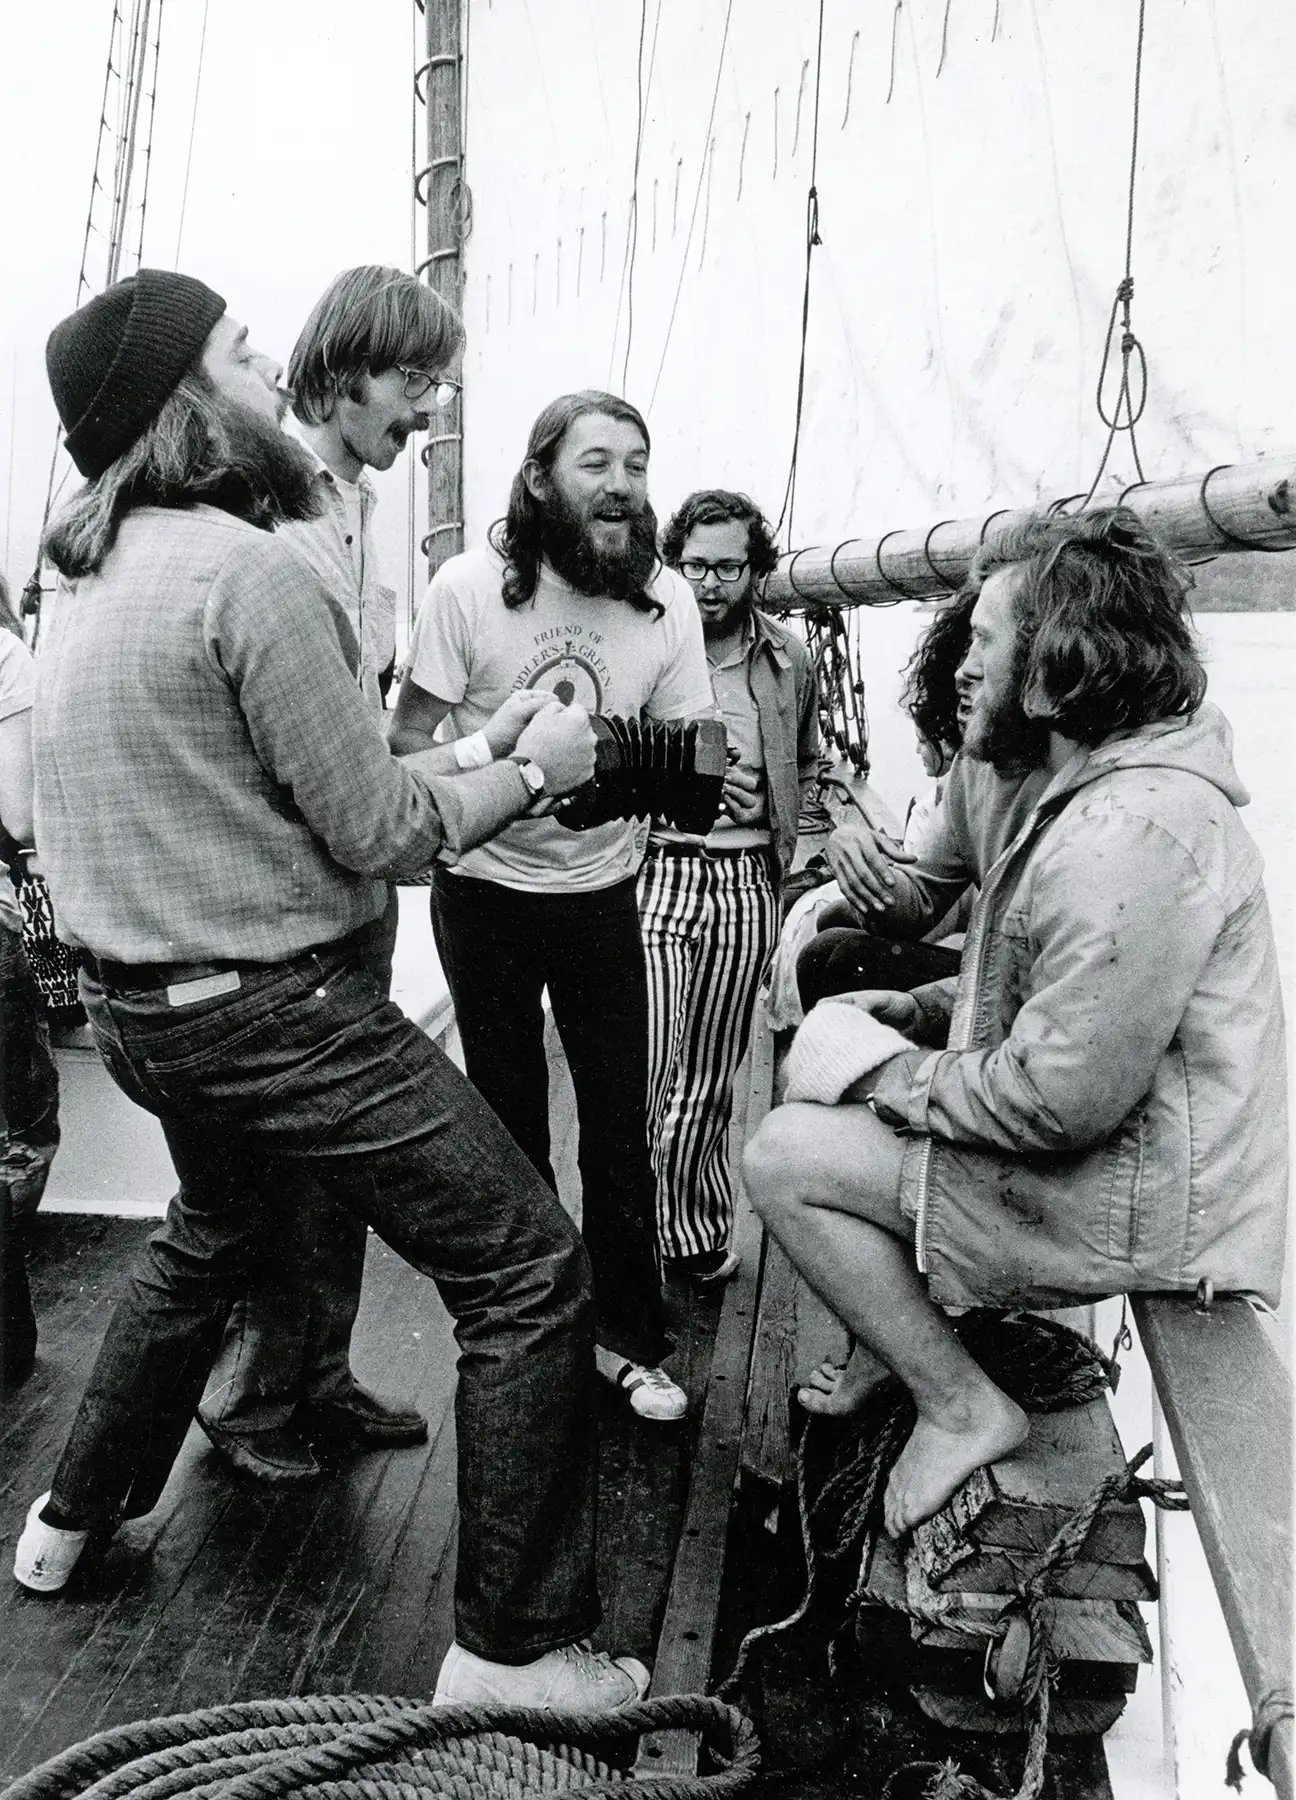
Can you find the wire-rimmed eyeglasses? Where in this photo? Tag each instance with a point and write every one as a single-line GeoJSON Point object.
{"type": "Point", "coordinates": [728, 571]}
{"type": "Point", "coordinates": [419, 383]}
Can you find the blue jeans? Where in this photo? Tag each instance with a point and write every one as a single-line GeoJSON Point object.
{"type": "Point", "coordinates": [309, 1067]}
{"type": "Point", "coordinates": [289, 1337]}
{"type": "Point", "coordinates": [500, 949]}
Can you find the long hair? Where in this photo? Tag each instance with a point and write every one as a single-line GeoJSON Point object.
{"type": "Point", "coordinates": [519, 536]}
{"type": "Point", "coordinates": [717, 506]}
{"type": "Point", "coordinates": [1104, 636]}
{"type": "Point", "coordinates": [366, 321]}
{"type": "Point", "coordinates": [929, 695]}
{"type": "Point", "coordinates": [199, 448]}
{"type": "Point", "coordinates": [9, 619]}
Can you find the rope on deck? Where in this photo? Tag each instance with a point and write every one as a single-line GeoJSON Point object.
{"type": "Point", "coordinates": [371, 1747]}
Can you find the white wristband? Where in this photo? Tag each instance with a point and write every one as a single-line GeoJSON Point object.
{"type": "Point", "coordinates": [474, 751]}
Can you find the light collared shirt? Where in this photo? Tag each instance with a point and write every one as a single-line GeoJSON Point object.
{"type": "Point", "coordinates": [210, 782]}
{"type": "Point", "coordinates": [339, 545]}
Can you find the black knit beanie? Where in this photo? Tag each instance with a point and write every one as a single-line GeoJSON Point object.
{"type": "Point", "coordinates": [117, 360]}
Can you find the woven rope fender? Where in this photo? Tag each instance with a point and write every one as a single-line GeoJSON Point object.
{"type": "Point", "coordinates": [370, 1747]}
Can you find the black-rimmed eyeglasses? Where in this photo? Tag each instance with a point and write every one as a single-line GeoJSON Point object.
{"type": "Point", "coordinates": [418, 384]}
{"type": "Point", "coordinates": [694, 569]}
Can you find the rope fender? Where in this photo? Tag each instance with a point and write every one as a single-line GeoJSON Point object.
{"type": "Point", "coordinates": [342, 1746]}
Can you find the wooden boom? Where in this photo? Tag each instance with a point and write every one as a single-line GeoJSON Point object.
{"type": "Point", "coordinates": [1237, 506]}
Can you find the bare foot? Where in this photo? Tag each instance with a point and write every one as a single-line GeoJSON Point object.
{"type": "Point", "coordinates": [834, 1391]}
{"type": "Point", "coordinates": [941, 1454]}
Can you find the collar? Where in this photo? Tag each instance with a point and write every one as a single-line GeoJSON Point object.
{"type": "Point", "coordinates": [324, 474]}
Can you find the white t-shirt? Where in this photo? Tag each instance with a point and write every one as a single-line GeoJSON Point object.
{"type": "Point", "coordinates": [472, 650]}
{"type": "Point", "coordinates": [17, 690]}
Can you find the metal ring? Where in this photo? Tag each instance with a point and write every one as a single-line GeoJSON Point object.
{"type": "Point", "coordinates": [903, 592]}
{"type": "Point", "coordinates": [1054, 508]}
{"type": "Point", "coordinates": [842, 589]}
{"type": "Point", "coordinates": [989, 521]}
{"type": "Point", "coordinates": [1131, 489]}
{"type": "Point", "coordinates": [953, 587]}
{"type": "Point", "coordinates": [1231, 537]}
{"type": "Point", "coordinates": [791, 577]}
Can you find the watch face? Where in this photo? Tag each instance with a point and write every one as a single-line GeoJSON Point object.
{"type": "Point", "coordinates": [533, 775]}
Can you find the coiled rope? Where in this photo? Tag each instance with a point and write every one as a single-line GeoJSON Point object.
{"type": "Point", "coordinates": [370, 1747]}
{"type": "Point", "coordinates": [1044, 1367]}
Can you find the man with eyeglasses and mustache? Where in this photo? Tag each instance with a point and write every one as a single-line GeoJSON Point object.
{"type": "Point", "coordinates": [569, 599]}
{"type": "Point", "coordinates": [367, 370]}
{"type": "Point", "coordinates": [709, 906]}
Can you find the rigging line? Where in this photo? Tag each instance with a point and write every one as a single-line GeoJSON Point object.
{"type": "Point", "coordinates": [95, 185]}
{"type": "Point", "coordinates": [697, 197]}
{"type": "Point", "coordinates": [625, 291]}
{"type": "Point", "coordinates": [1129, 343]}
{"type": "Point", "coordinates": [135, 93]}
{"type": "Point", "coordinates": [148, 137]}
{"type": "Point", "coordinates": [812, 240]}
{"type": "Point", "coordinates": [193, 126]}
{"type": "Point", "coordinates": [412, 462]}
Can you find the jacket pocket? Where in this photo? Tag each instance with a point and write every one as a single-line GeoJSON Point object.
{"type": "Point", "coordinates": [1127, 1148]}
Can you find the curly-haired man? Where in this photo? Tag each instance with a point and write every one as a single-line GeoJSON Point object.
{"type": "Point", "coordinates": [1097, 1104]}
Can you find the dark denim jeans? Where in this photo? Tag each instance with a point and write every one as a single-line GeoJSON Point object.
{"type": "Point", "coordinates": [289, 1337]}
{"type": "Point", "coordinates": [308, 1066]}
{"type": "Point", "coordinates": [500, 950]}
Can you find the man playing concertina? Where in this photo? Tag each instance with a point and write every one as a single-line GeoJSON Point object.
{"type": "Point", "coordinates": [569, 598]}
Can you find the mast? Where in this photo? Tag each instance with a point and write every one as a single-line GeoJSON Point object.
{"type": "Point", "coordinates": [442, 187]}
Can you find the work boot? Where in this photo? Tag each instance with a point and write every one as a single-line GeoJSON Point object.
{"type": "Point", "coordinates": [277, 1454]}
{"type": "Point", "coordinates": [575, 1677]}
{"type": "Point", "coordinates": [364, 1418]}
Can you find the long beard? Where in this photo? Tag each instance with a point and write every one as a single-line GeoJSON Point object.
{"type": "Point", "coordinates": [618, 575]}
{"type": "Point", "coordinates": [265, 477]}
{"type": "Point", "coordinates": [1007, 737]}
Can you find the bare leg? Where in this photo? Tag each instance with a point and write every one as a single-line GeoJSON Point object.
{"type": "Point", "coordinates": [826, 1181]}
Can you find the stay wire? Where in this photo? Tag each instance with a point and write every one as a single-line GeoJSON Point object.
{"type": "Point", "coordinates": [1125, 414]}
{"type": "Point", "coordinates": [697, 197]}
{"type": "Point", "coordinates": [148, 138]}
{"type": "Point", "coordinates": [193, 126]}
{"type": "Point", "coordinates": [626, 291]}
{"type": "Point", "coordinates": [812, 241]}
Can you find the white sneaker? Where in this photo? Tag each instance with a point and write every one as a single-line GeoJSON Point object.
{"type": "Point", "coordinates": [653, 1395]}
{"type": "Point", "coordinates": [575, 1678]}
{"type": "Point", "coordinates": [46, 1555]}
{"type": "Point", "coordinates": [726, 1272]}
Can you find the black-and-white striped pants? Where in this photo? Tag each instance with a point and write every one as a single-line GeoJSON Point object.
{"type": "Point", "coordinates": [709, 928]}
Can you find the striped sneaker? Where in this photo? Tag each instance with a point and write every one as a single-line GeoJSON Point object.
{"type": "Point", "coordinates": [46, 1554]}
{"type": "Point", "coordinates": [652, 1393]}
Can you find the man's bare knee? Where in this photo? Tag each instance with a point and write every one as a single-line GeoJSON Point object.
{"type": "Point", "coordinates": [775, 1161]}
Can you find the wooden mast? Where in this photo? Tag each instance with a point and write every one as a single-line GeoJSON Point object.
{"type": "Point", "coordinates": [1241, 506]}
{"type": "Point", "coordinates": [442, 187]}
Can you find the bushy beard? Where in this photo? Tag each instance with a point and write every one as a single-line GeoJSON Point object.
{"type": "Point", "coordinates": [267, 477]}
{"type": "Point", "coordinates": [1006, 737]}
{"type": "Point", "coordinates": [572, 553]}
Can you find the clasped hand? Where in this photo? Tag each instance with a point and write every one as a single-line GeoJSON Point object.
{"type": "Point", "coordinates": [861, 859]}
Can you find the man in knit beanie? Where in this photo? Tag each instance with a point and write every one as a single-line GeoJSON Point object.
{"type": "Point", "coordinates": [1096, 1104]}
{"type": "Point", "coordinates": [218, 813]}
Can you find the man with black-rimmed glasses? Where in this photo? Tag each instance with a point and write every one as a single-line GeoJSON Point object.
{"type": "Point", "coordinates": [709, 906]}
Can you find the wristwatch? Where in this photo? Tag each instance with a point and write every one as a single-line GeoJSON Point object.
{"type": "Point", "coordinates": [534, 777]}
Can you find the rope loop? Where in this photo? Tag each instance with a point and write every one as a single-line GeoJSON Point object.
{"type": "Point", "coordinates": [1272, 1708]}
{"type": "Point", "coordinates": [1230, 538]}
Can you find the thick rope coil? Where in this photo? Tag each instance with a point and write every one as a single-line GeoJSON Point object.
{"type": "Point", "coordinates": [366, 1747]}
